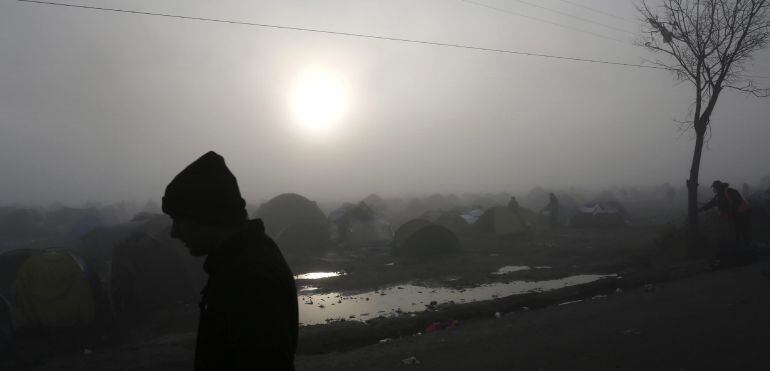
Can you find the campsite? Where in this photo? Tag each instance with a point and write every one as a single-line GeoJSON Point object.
{"type": "Point", "coordinates": [384, 185]}
{"type": "Point", "coordinates": [129, 285]}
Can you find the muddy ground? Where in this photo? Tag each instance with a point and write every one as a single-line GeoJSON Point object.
{"type": "Point", "coordinates": [566, 250]}
{"type": "Point", "coordinates": [640, 256]}
{"type": "Point", "coordinates": [713, 321]}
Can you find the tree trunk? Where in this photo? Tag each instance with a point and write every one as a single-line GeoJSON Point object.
{"type": "Point", "coordinates": [693, 235]}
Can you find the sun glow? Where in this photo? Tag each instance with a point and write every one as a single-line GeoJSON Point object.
{"type": "Point", "coordinates": [319, 99]}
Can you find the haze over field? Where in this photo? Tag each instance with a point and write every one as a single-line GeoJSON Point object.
{"type": "Point", "coordinates": [100, 106]}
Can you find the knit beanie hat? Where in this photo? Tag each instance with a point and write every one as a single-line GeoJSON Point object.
{"type": "Point", "coordinates": [207, 192]}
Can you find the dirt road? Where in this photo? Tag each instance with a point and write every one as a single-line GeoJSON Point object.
{"type": "Point", "coordinates": [715, 321]}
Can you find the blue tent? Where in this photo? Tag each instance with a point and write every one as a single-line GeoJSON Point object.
{"type": "Point", "coordinates": [86, 224]}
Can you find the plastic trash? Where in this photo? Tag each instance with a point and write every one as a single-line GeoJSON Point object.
{"type": "Point", "coordinates": [87, 352]}
{"type": "Point", "coordinates": [498, 315]}
{"type": "Point", "coordinates": [386, 340]}
{"type": "Point", "coordinates": [442, 325]}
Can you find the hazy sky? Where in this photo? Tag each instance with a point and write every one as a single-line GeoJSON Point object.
{"type": "Point", "coordinates": [98, 106]}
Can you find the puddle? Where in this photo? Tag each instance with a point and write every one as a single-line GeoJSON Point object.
{"type": "Point", "coordinates": [396, 300]}
{"type": "Point", "coordinates": [516, 268]}
{"type": "Point", "coordinates": [317, 275]}
{"type": "Point", "coordinates": [308, 288]}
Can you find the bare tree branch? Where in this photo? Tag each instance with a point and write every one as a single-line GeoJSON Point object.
{"type": "Point", "coordinates": [707, 43]}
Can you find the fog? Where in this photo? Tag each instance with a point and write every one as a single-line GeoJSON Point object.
{"type": "Point", "coordinates": [101, 106]}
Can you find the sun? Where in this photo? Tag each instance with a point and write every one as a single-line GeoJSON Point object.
{"type": "Point", "coordinates": [319, 99]}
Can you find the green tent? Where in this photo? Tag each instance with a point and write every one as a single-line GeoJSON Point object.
{"type": "Point", "coordinates": [51, 289]}
{"type": "Point", "coordinates": [10, 261]}
{"type": "Point", "coordinates": [503, 221]}
{"type": "Point", "coordinates": [407, 229]}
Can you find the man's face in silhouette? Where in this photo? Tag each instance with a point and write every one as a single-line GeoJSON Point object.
{"type": "Point", "coordinates": [199, 238]}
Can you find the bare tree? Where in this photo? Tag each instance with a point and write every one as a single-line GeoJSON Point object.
{"type": "Point", "coordinates": [708, 44]}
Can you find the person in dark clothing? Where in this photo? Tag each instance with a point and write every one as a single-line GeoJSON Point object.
{"type": "Point", "coordinates": [553, 210]}
{"type": "Point", "coordinates": [248, 312]}
{"type": "Point", "coordinates": [513, 204]}
{"type": "Point", "coordinates": [734, 209]}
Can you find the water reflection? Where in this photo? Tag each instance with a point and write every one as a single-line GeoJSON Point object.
{"type": "Point", "coordinates": [317, 275]}
{"type": "Point", "coordinates": [397, 300]}
{"type": "Point", "coordinates": [516, 268]}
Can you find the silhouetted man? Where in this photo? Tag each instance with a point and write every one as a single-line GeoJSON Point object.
{"type": "Point", "coordinates": [513, 205]}
{"type": "Point", "coordinates": [248, 317]}
{"type": "Point", "coordinates": [553, 210]}
{"type": "Point", "coordinates": [734, 209]}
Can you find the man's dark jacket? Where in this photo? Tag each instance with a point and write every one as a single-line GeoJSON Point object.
{"type": "Point", "coordinates": [248, 317]}
{"type": "Point", "coordinates": [729, 202]}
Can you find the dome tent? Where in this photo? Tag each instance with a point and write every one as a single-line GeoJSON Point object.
{"type": "Point", "coordinates": [73, 222]}
{"type": "Point", "coordinates": [427, 242]}
{"type": "Point", "coordinates": [297, 224]}
{"type": "Point", "coordinates": [147, 275]}
{"type": "Point", "coordinates": [304, 239]}
{"type": "Point", "coordinates": [288, 209]}
{"type": "Point", "coordinates": [52, 289]}
{"type": "Point", "coordinates": [454, 222]}
{"type": "Point", "coordinates": [407, 229]}
{"type": "Point", "coordinates": [97, 246]}
{"type": "Point", "coordinates": [452, 219]}
{"type": "Point", "coordinates": [502, 221]}
{"type": "Point", "coordinates": [362, 226]}
{"type": "Point", "coordinates": [376, 203]}
{"type": "Point", "coordinates": [10, 262]}
{"type": "Point", "coordinates": [339, 212]}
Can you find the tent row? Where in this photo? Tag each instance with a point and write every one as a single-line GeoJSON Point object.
{"type": "Point", "coordinates": [24, 225]}
{"type": "Point", "coordinates": [301, 228]}
{"type": "Point", "coordinates": [119, 275]}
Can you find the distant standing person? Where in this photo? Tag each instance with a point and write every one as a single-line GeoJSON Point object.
{"type": "Point", "coordinates": [553, 210]}
{"type": "Point", "coordinates": [513, 204]}
{"type": "Point", "coordinates": [734, 209]}
{"type": "Point", "coordinates": [248, 317]}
